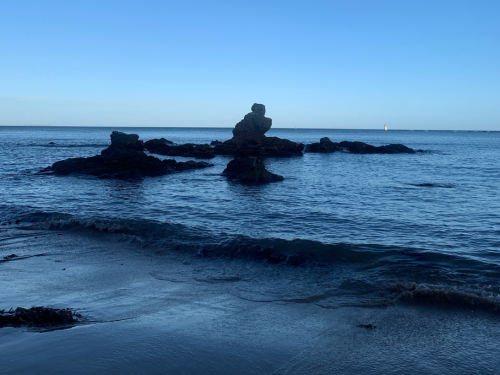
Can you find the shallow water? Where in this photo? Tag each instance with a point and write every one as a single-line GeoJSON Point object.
{"type": "Point", "coordinates": [390, 208]}
{"type": "Point", "coordinates": [187, 272]}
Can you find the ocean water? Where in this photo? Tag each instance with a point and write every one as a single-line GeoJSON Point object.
{"type": "Point", "coordinates": [371, 228]}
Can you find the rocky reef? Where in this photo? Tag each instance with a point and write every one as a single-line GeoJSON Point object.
{"type": "Point", "coordinates": [37, 317]}
{"type": "Point", "coordinates": [124, 159]}
{"type": "Point", "coordinates": [250, 170]}
{"type": "Point", "coordinates": [325, 145]}
{"type": "Point", "coordinates": [164, 147]}
{"type": "Point", "coordinates": [249, 138]}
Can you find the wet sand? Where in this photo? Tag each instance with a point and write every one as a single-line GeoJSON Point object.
{"type": "Point", "coordinates": [150, 312]}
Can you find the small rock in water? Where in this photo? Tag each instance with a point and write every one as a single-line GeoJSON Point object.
{"type": "Point", "coordinates": [37, 316]}
{"type": "Point", "coordinates": [325, 145]}
{"type": "Point", "coordinates": [249, 169]}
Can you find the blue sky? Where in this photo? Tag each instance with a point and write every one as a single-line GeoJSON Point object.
{"type": "Point", "coordinates": [317, 64]}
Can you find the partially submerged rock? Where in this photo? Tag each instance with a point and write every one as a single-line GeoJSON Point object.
{"type": "Point", "coordinates": [364, 148]}
{"type": "Point", "coordinates": [191, 150]}
{"type": "Point", "coordinates": [37, 317]}
{"type": "Point", "coordinates": [124, 159]}
{"type": "Point", "coordinates": [249, 138]}
{"type": "Point", "coordinates": [249, 169]}
{"type": "Point", "coordinates": [325, 145]}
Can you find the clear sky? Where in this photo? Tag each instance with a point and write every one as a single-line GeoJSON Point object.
{"type": "Point", "coordinates": [413, 64]}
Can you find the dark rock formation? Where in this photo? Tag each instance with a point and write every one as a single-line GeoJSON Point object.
{"type": "Point", "coordinates": [193, 151]}
{"type": "Point", "coordinates": [253, 122]}
{"type": "Point", "coordinates": [190, 150]}
{"type": "Point", "coordinates": [363, 148]}
{"type": "Point", "coordinates": [124, 159]}
{"type": "Point", "coordinates": [38, 317]}
{"type": "Point", "coordinates": [249, 138]}
{"type": "Point", "coordinates": [159, 146]}
{"type": "Point", "coordinates": [215, 143]}
{"type": "Point", "coordinates": [265, 146]}
{"type": "Point", "coordinates": [325, 145]}
{"type": "Point", "coordinates": [249, 170]}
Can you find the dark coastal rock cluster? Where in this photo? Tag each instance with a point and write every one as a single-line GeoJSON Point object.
{"type": "Point", "coordinates": [37, 317]}
{"type": "Point", "coordinates": [164, 147]}
{"type": "Point", "coordinates": [249, 169]}
{"type": "Point", "coordinates": [249, 138]}
{"type": "Point", "coordinates": [325, 145]}
{"type": "Point", "coordinates": [124, 159]}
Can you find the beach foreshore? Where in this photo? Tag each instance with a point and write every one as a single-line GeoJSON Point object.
{"type": "Point", "coordinates": [148, 312]}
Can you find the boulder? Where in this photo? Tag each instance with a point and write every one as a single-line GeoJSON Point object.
{"type": "Point", "coordinates": [267, 146]}
{"type": "Point", "coordinates": [38, 317]}
{"type": "Point", "coordinates": [190, 150]}
{"type": "Point", "coordinates": [159, 146]}
{"type": "Point", "coordinates": [325, 145]}
{"type": "Point", "coordinates": [364, 148]}
{"type": "Point", "coordinates": [124, 159]}
{"type": "Point", "coordinates": [249, 170]}
{"type": "Point", "coordinates": [253, 122]}
{"type": "Point", "coordinates": [215, 143]}
{"type": "Point", "coordinates": [249, 138]}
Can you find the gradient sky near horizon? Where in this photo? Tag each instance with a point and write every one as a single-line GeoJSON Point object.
{"type": "Point", "coordinates": [319, 64]}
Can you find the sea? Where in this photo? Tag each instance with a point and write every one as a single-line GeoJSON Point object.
{"type": "Point", "coordinates": [340, 231]}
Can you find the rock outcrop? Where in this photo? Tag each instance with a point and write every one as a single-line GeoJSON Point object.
{"type": "Point", "coordinates": [249, 138]}
{"type": "Point", "coordinates": [364, 148]}
{"type": "Point", "coordinates": [250, 170]}
{"type": "Point", "coordinates": [190, 150]}
{"type": "Point", "coordinates": [325, 145]}
{"type": "Point", "coordinates": [124, 159]}
{"type": "Point", "coordinates": [37, 317]}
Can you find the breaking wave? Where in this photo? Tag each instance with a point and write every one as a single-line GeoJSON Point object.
{"type": "Point", "coordinates": [379, 274]}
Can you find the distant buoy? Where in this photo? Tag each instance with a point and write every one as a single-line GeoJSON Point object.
{"type": "Point", "coordinates": [385, 127]}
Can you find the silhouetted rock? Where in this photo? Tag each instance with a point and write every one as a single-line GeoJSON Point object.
{"type": "Point", "coordinates": [152, 143]}
{"type": "Point", "coordinates": [249, 138]}
{"type": "Point", "coordinates": [325, 145]}
{"type": "Point", "coordinates": [253, 122]}
{"type": "Point", "coordinates": [215, 143]}
{"type": "Point", "coordinates": [249, 170]}
{"type": "Point", "coordinates": [190, 150]}
{"type": "Point", "coordinates": [37, 317]}
{"type": "Point", "coordinates": [159, 146]}
{"type": "Point", "coordinates": [265, 146]}
{"type": "Point", "coordinates": [124, 159]}
{"type": "Point", "coordinates": [363, 148]}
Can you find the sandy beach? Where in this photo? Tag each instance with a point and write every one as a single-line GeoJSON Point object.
{"type": "Point", "coordinates": [169, 314]}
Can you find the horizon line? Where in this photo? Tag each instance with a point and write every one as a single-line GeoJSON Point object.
{"type": "Point", "coordinates": [232, 127]}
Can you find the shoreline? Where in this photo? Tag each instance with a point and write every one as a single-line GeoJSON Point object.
{"type": "Point", "coordinates": [166, 313]}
